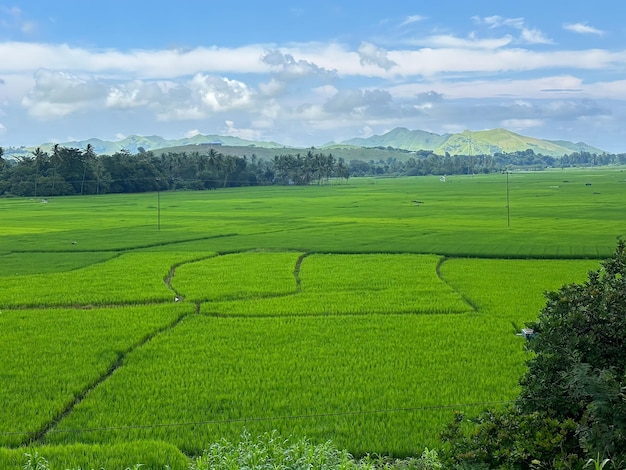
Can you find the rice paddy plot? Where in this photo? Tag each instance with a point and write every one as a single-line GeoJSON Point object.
{"type": "Point", "coordinates": [376, 384]}
{"type": "Point", "coordinates": [50, 357]}
{"type": "Point", "coordinates": [357, 284]}
{"type": "Point", "coordinates": [511, 290]}
{"type": "Point", "coordinates": [38, 263]}
{"type": "Point", "coordinates": [130, 278]}
{"type": "Point", "coordinates": [237, 276]}
{"type": "Point", "coordinates": [148, 454]}
{"type": "Point", "coordinates": [551, 208]}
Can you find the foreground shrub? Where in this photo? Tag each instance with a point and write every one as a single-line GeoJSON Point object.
{"type": "Point", "coordinates": [268, 451]}
{"type": "Point", "coordinates": [273, 452]}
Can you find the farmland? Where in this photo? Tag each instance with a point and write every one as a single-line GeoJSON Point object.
{"type": "Point", "coordinates": [364, 312]}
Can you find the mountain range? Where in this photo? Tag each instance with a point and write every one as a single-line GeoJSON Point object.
{"type": "Point", "coordinates": [486, 142]}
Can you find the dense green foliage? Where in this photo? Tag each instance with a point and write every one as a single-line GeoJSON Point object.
{"type": "Point", "coordinates": [74, 171]}
{"type": "Point", "coordinates": [581, 353]}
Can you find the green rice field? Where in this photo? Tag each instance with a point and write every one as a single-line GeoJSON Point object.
{"type": "Point", "coordinates": [365, 313]}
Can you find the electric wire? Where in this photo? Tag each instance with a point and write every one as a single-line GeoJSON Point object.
{"type": "Point", "coordinates": [267, 418]}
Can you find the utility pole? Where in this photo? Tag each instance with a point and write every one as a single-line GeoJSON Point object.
{"type": "Point", "coordinates": [508, 207]}
{"type": "Point", "coordinates": [158, 181]}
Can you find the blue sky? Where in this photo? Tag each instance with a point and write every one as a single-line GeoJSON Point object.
{"type": "Point", "coordinates": [305, 73]}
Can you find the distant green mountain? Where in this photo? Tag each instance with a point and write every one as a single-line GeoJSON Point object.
{"type": "Point", "coordinates": [402, 138]}
{"type": "Point", "coordinates": [576, 147]}
{"type": "Point", "coordinates": [399, 140]}
{"type": "Point", "coordinates": [132, 143]}
{"type": "Point", "coordinates": [470, 143]}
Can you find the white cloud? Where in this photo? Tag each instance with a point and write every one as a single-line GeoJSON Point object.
{"type": "Point", "coordinates": [359, 102]}
{"type": "Point", "coordinates": [366, 132]}
{"type": "Point", "coordinates": [534, 36]}
{"type": "Point", "coordinates": [28, 27]}
{"type": "Point", "coordinates": [430, 62]}
{"type": "Point", "coordinates": [13, 19]}
{"type": "Point", "coordinates": [219, 94]}
{"type": "Point", "coordinates": [449, 41]}
{"type": "Point", "coordinates": [272, 88]}
{"type": "Point", "coordinates": [58, 94]}
{"type": "Point", "coordinates": [527, 35]}
{"type": "Point", "coordinates": [246, 133]}
{"type": "Point", "coordinates": [167, 63]}
{"type": "Point", "coordinates": [182, 113]}
{"type": "Point", "coordinates": [537, 88]}
{"type": "Point", "coordinates": [125, 96]}
{"type": "Point", "coordinates": [324, 62]}
{"type": "Point", "coordinates": [582, 28]}
{"type": "Point", "coordinates": [2, 129]}
{"type": "Point", "coordinates": [288, 68]}
{"type": "Point", "coordinates": [412, 19]}
{"type": "Point", "coordinates": [493, 75]}
{"type": "Point", "coordinates": [522, 123]}
{"type": "Point", "coordinates": [325, 91]}
{"type": "Point", "coordinates": [192, 133]}
{"type": "Point", "coordinates": [372, 55]}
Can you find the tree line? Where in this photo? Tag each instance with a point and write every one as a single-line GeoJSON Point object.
{"type": "Point", "coordinates": [67, 171]}
{"type": "Point", "coordinates": [72, 171]}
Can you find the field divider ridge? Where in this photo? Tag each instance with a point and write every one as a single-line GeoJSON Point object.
{"type": "Point", "coordinates": [38, 437]}
{"type": "Point", "coordinates": [465, 298]}
{"type": "Point", "coordinates": [170, 275]}
{"type": "Point", "coordinates": [296, 270]}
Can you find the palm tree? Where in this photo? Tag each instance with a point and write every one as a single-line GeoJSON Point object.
{"type": "Point", "coordinates": [39, 158]}
{"type": "Point", "coordinates": [229, 165]}
{"type": "Point", "coordinates": [89, 155]}
{"type": "Point", "coordinates": [55, 160]}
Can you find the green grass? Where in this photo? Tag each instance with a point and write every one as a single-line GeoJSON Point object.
{"type": "Point", "coordinates": [237, 276]}
{"type": "Point", "coordinates": [50, 357]}
{"type": "Point", "coordinates": [332, 284]}
{"type": "Point", "coordinates": [552, 214]}
{"type": "Point", "coordinates": [324, 378]}
{"type": "Point", "coordinates": [20, 264]}
{"type": "Point", "coordinates": [371, 383]}
{"type": "Point", "coordinates": [130, 278]}
{"type": "Point", "coordinates": [319, 311]}
{"type": "Point", "coordinates": [151, 454]}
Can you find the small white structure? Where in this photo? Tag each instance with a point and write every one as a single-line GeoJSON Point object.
{"type": "Point", "coordinates": [442, 179]}
{"type": "Point", "coordinates": [528, 333]}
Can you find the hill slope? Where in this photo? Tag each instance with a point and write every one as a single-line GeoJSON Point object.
{"type": "Point", "coordinates": [402, 138]}
{"type": "Point", "coordinates": [154, 142]}
{"type": "Point", "coordinates": [399, 139]}
{"type": "Point", "coordinates": [470, 143]}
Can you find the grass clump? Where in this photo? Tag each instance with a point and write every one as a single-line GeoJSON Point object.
{"type": "Point", "coordinates": [271, 451]}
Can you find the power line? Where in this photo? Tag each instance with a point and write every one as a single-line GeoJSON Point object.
{"type": "Point", "coordinates": [267, 418]}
